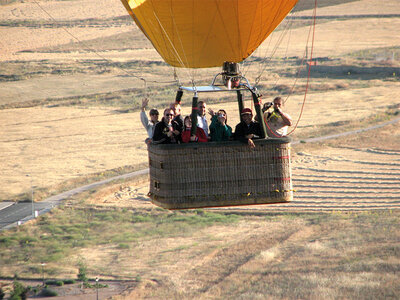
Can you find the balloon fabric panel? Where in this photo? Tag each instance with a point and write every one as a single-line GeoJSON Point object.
{"type": "Point", "coordinates": [205, 33]}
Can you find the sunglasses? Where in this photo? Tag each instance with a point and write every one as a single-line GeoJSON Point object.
{"type": "Point", "coordinates": [169, 115]}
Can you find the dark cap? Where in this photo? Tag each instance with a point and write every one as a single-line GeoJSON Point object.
{"type": "Point", "coordinates": [154, 111]}
{"type": "Point", "coordinates": [246, 111]}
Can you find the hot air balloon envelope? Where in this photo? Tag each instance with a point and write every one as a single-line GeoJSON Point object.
{"type": "Point", "coordinates": [206, 33]}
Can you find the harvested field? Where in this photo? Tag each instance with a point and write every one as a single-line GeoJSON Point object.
{"type": "Point", "coordinates": [328, 176]}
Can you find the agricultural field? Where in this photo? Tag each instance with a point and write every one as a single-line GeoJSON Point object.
{"type": "Point", "coordinates": [72, 78]}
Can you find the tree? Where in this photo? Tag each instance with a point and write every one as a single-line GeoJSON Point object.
{"type": "Point", "coordinates": [19, 291]}
{"type": "Point", "coordinates": [82, 272]}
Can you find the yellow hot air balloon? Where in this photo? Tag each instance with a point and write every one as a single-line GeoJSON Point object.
{"type": "Point", "coordinates": [206, 33]}
{"type": "Point", "coordinates": [203, 34]}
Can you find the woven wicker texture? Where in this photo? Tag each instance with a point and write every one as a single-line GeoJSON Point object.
{"type": "Point", "coordinates": [220, 174]}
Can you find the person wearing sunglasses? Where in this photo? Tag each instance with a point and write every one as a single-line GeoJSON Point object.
{"type": "Point", "coordinates": [178, 118]}
{"type": "Point", "coordinates": [167, 131]}
{"type": "Point", "coordinates": [148, 124]}
{"type": "Point", "coordinates": [219, 130]}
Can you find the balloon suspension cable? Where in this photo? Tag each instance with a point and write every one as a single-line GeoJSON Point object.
{"type": "Point", "coordinates": [288, 32]}
{"type": "Point", "coordinates": [191, 75]}
{"type": "Point", "coordinates": [177, 56]}
{"type": "Point", "coordinates": [312, 29]}
{"type": "Point", "coordinates": [263, 66]}
{"type": "Point", "coordinates": [269, 128]}
{"type": "Point", "coordinates": [248, 64]}
{"type": "Point", "coordinates": [146, 91]}
{"type": "Point", "coordinates": [194, 88]}
{"type": "Point", "coordinates": [309, 67]}
{"type": "Point", "coordinates": [91, 50]}
{"type": "Point", "coordinates": [176, 77]}
{"type": "Point", "coordinates": [301, 65]}
{"type": "Point", "coordinates": [286, 29]}
{"type": "Point", "coordinates": [288, 42]}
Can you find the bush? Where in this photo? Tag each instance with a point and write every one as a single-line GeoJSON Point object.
{"type": "Point", "coordinates": [69, 281]}
{"type": "Point", "coordinates": [59, 283]}
{"type": "Point", "coordinates": [88, 285]}
{"type": "Point", "coordinates": [48, 293]}
{"type": "Point", "coordinates": [123, 246]}
{"type": "Point", "coordinates": [55, 282]}
{"type": "Point", "coordinates": [19, 291]}
{"type": "Point", "coordinates": [82, 272]}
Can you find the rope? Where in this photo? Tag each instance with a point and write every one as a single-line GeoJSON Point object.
{"type": "Point", "coordinates": [269, 128]}
{"type": "Point", "coordinates": [286, 29]}
{"type": "Point", "coordinates": [183, 48]}
{"type": "Point", "coordinates": [309, 68]}
{"type": "Point", "coordinates": [301, 64]}
{"type": "Point", "coordinates": [146, 93]}
{"type": "Point", "coordinates": [176, 78]}
{"type": "Point", "coordinates": [177, 56]}
{"type": "Point", "coordinates": [298, 72]}
{"type": "Point", "coordinates": [288, 42]}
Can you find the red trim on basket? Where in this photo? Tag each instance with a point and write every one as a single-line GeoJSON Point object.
{"type": "Point", "coordinates": [281, 157]}
{"type": "Point", "coordinates": [282, 178]}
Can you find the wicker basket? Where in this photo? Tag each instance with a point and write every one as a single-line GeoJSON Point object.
{"type": "Point", "coordinates": [220, 174]}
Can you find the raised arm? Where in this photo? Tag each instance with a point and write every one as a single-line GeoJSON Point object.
{"type": "Point", "coordinates": [143, 117]}
{"type": "Point", "coordinates": [285, 117]}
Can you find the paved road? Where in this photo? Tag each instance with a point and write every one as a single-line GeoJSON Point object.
{"type": "Point", "coordinates": [14, 214]}
{"type": "Point", "coordinates": [21, 212]}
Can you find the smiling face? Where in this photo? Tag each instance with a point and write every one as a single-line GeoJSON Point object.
{"type": "Point", "coordinates": [188, 123]}
{"type": "Point", "coordinates": [154, 117]}
{"type": "Point", "coordinates": [168, 115]}
{"type": "Point", "coordinates": [247, 118]}
{"type": "Point", "coordinates": [202, 108]}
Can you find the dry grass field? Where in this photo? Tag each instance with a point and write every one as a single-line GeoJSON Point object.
{"type": "Point", "coordinates": [62, 118]}
{"type": "Point", "coordinates": [69, 114]}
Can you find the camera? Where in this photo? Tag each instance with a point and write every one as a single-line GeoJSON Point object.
{"type": "Point", "coordinates": [267, 106]}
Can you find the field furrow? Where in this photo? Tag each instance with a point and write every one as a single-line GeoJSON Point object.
{"type": "Point", "coordinates": [349, 179]}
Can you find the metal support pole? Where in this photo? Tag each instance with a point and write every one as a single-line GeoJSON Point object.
{"type": "Point", "coordinates": [240, 101]}
{"type": "Point", "coordinates": [43, 264]}
{"type": "Point", "coordinates": [33, 201]}
{"type": "Point", "coordinates": [178, 96]}
{"type": "Point", "coordinates": [259, 113]}
{"type": "Point", "coordinates": [97, 288]}
{"type": "Point", "coordinates": [194, 114]}
{"type": "Point", "coordinates": [32, 196]}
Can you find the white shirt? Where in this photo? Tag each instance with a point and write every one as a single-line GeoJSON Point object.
{"type": "Point", "coordinates": [277, 125]}
{"type": "Point", "coordinates": [202, 123]}
{"type": "Point", "coordinates": [148, 125]}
